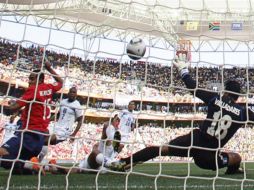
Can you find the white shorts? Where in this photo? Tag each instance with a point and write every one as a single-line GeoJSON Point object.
{"type": "Point", "coordinates": [84, 165]}
{"type": "Point", "coordinates": [125, 138]}
{"type": "Point", "coordinates": [6, 139]}
{"type": "Point", "coordinates": [60, 132]}
{"type": "Point", "coordinates": [61, 135]}
{"type": "Point", "coordinates": [107, 151]}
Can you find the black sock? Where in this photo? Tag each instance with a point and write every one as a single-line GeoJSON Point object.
{"type": "Point", "coordinates": [143, 155]}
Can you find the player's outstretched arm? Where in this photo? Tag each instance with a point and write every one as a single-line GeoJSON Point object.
{"type": "Point", "coordinates": [13, 106]}
{"type": "Point", "coordinates": [52, 71]}
{"type": "Point", "coordinates": [181, 63]}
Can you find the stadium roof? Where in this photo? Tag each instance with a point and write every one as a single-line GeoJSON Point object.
{"type": "Point", "coordinates": [212, 5]}
{"type": "Point", "coordinates": [164, 18]}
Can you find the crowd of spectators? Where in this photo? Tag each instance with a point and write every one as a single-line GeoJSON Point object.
{"type": "Point", "coordinates": [150, 79]}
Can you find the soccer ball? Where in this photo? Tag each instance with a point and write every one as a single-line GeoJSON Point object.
{"type": "Point", "coordinates": [136, 49]}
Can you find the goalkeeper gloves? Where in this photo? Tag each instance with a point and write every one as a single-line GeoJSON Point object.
{"type": "Point", "coordinates": [181, 63]}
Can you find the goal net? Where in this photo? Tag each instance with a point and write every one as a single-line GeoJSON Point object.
{"type": "Point", "coordinates": [85, 42]}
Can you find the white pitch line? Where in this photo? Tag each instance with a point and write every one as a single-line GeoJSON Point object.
{"type": "Point", "coordinates": [122, 187]}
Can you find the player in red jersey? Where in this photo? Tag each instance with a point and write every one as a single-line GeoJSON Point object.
{"type": "Point", "coordinates": [35, 118]}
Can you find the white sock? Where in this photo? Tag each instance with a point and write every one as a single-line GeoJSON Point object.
{"type": "Point", "coordinates": [46, 168]}
{"type": "Point", "coordinates": [43, 153]}
{"type": "Point", "coordinates": [28, 165]}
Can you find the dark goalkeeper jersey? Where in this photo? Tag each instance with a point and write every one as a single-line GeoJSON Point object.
{"type": "Point", "coordinates": [224, 117]}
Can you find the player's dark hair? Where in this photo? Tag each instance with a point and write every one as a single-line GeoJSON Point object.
{"type": "Point", "coordinates": [131, 102]}
{"type": "Point", "coordinates": [116, 118]}
{"type": "Point", "coordinates": [41, 75]}
{"type": "Point", "coordinates": [233, 86]}
{"type": "Point", "coordinates": [73, 87]}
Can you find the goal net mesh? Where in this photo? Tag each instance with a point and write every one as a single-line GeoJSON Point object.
{"type": "Point", "coordinates": [85, 42]}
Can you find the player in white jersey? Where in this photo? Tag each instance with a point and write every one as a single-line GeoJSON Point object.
{"type": "Point", "coordinates": [127, 122]}
{"type": "Point", "coordinates": [103, 153]}
{"type": "Point", "coordinates": [9, 129]}
{"type": "Point", "coordinates": [70, 112]}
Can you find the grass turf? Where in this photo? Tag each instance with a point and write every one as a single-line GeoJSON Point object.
{"type": "Point", "coordinates": [145, 176]}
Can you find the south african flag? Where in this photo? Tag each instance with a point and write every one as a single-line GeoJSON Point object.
{"type": "Point", "coordinates": [214, 26]}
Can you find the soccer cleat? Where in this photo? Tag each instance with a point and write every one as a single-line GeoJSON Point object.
{"type": "Point", "coordinates": [35, 165]}
{"type": "Point", "coordinates": [118, 166]}
{"type": "Point", "coordinates": [52, 161]}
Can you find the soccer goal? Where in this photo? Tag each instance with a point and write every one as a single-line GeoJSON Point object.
{"type": "Point", "coordinates": [85, 42]}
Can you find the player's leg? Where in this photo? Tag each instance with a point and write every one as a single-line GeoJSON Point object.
{"type": "Point", "coordinates": [213, 160]}
{"type": "Point", "coordinates": [146, 154]}
{"type": "Point", "coordinates": [53, 139]}
{"type": "Point", "coordinates": [32, 146]}
{"type": "Point", "coordinates": [44, 150]}
{"type": "Point", "coordinates": [153, 151]}
{"type": "Point", "coordinates": [167, 150]}
{"type": "Point", "coordinates": [139, 157]}
{"type": "Point", "coordinates": [43, 153]}
{"type": "Point", "coordinates": [34, 166]}
{"type": "Point", "coordinates": [82, 167]}
{"type": "Point", "coordinates": [95, 159]}
{"type": "Point", "coordinates": [54, 168]}
{"type": "Point", "coordinates": [20, 170]}
{"type": "Point", "coordinates": [3, 151]}
{"type": "Point", "coordinates": [58, 134]}
{"type": "Point", "coordinates": [9, 150]}
{"type": "Point", "coordinates": [49, 140]}
{"type": "Point", "coordinates": [209, 160]}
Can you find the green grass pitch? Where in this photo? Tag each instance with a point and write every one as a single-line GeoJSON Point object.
{"type": "Point", "coordinates": [166, 176]}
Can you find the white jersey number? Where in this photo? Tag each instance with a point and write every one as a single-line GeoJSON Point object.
{"type": "Point", "coordinates": [64, 112]}
{"type": "Point", "coordinates": [223, 124]}
{"type": "Point", "coordinates": [46, 107]}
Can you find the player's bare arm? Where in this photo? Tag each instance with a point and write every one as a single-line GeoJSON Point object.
{"type": "Point", "coordinates": [13, 106]}
{"type": "Point", "coordinates": [79, 120]}
{"type": "Point", "coordinates": [52, 71]}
